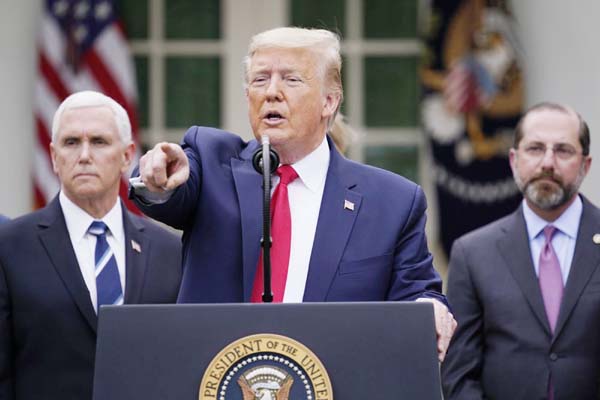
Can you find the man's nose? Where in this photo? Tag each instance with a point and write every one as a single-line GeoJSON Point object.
{"type": "Point", "coordinates": [274, 88]}
{"type": "Point", "coordinates": [85, 152]}
{"type": "Point", "coordinates": [548, 159]}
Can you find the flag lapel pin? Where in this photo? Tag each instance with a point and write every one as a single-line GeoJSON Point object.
{"type": "Point", "coordinates": [348, 205]}
{"type": "Point", "coordinates": [136, 246]}
{"type": "Point", "coordinates": [596, 238]}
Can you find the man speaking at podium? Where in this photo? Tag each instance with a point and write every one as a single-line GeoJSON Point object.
{"type": "Point", "coordinates": [342, 231]}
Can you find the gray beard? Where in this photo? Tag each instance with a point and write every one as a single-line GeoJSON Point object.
{"type": "Point", "coordinates": [546, 198]}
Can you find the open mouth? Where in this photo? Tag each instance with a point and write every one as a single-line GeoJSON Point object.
{"type": "Point", "coordinates": [273, 116]}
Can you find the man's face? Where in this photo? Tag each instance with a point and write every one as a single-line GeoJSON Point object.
{"type": "Point", "coordinates": [288, 101]}
{"type": "Point", "coordinates": [548, 165]}
{"type": "Point", "coordinates": [89, 156]}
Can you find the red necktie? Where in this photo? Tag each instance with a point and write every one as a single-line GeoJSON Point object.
{"type": "Point", "coordinates": [281, 232]}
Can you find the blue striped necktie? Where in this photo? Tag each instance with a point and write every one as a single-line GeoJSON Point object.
{"type": "Point", "coordinates": [108, 282]}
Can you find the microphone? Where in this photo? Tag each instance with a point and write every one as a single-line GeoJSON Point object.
{"type": "Point", "coordinates": [257, 158]}
{"type": "Point", "coordinates": [266, 166]}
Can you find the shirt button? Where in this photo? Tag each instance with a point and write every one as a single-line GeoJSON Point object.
{"type": "Point", "coordinates": [553, 356]}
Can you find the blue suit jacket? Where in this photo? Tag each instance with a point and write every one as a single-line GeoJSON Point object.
{"type": "Point", "coordinates": [47, 321]}
{"type": "Point", "coordinates": [378, 251]}
{"type": "Point", "coordinates": [3, 219]}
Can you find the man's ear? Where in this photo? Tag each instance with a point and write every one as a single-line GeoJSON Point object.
{"type": "Point", "coordinates": [128, 156]}
{"type": "Point", "coordinates": [587, 164]}
{"type": "Point", "coordinates": [512, 159]}
{"type": "Point", "coordinates": [53, 156]}
{"type": "Point", "coordinates": [330, 104]}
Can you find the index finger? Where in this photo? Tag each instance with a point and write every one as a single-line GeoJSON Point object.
{"type": "Point", "coordinates": [172, 151]}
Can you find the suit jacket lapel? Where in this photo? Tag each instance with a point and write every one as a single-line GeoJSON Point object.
{"type": "Point", "coordinates": [333, 227]}
{"type": "Point", "coordinates": [585, 261]}
{"type": "Point", "coordinates": [248, 185]}
{"type": "Point", "coordinates": [137, 249]}
{"type": "Point", "coordinates": [55, 239]}
{"type": "Point", "coordinates": [514, 246]}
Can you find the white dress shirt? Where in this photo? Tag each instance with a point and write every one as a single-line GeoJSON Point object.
{"type": "Point", "coordinates": [563, 240]}
{"type": "Point", "coordinates": [305, 194]}
{"type": "Point", "coordinates": [78, 221]}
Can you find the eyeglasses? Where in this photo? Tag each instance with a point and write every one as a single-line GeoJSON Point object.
{"type": "Point", "coordinates": [562, 151]}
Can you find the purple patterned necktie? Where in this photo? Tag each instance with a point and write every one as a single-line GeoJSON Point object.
{"type": "Point", "coordinates": [551, 283]}
{"type": "Point", "coordinates": [550, 278]}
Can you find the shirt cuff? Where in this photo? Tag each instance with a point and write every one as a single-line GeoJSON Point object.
{"type": "Point", "coordinates": [146, 196]}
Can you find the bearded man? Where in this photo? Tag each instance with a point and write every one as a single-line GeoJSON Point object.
{"type": "Point", "coordinates": [525, 290]}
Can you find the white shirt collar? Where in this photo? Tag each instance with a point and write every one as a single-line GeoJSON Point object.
{"type": "Point", "coordinates": [78, 221]}
{"type": "Point", "coordinates": [312, 169]}
{"type": "Point", "coordinates": [567, 223]}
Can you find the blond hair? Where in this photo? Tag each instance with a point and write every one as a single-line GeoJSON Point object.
{"type": "Point", "coordinates": [342, 133]}
{"type": "Point", "coordinates": [324, 43]}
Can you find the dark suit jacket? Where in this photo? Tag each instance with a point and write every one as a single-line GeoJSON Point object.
{"type": "Point", "coordinates": [3, 219]}
{"type": "Point", "coordinates": [47, 321]}
{"type": "Point", "coordinates": [377, 251]}
{"type": "Point", "coordinates": [503, 347]}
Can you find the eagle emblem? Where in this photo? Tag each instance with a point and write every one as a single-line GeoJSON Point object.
{"type": "Point", "coordinates": [265, 383]}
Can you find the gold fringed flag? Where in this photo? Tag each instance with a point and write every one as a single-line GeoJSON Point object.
{"type": "Point", "coordinates": [472, 98]}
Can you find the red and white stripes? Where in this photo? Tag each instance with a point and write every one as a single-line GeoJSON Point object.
{"type": "Point", "coordinates": [106, 66]}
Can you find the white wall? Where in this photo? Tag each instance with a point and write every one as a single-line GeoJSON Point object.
{"type": "Point", "coordinates": [17, 69]}
{"type": "Point", "coordinates": [562, 63]}
{"type": "Point", "coordinates": [242, 19]}
{"type": "Point", "coordinates": [558, 37]}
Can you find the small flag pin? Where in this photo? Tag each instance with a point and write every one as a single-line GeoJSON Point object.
{"type": "Point", "coordinates": [136, 246]}
{"type": "Point", "coordinates": [596, 238]}
{"type": "Point", "coordinates": [348, 205]}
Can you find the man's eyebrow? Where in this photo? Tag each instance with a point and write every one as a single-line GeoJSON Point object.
{"type": "Point", "coordinates": [533, 142]}
{"type": "Point", "coordinates": [543, 142]}
{"type": "Point", "coordinates": [260, 67]}
{"type": "Point", "coordinates": [267, 68]}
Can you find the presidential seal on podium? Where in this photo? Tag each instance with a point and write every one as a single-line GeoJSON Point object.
{"type": "Point", "coordinates": [265, 367]}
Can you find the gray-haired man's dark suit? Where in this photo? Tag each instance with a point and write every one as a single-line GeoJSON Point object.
{"type": "Point", "coordinates": [47, 320]}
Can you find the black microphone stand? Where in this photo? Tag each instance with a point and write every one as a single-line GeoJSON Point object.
{"type": "Point", "coordinates": [266, 166]}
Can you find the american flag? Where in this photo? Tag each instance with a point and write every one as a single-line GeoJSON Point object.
{"type": "Point", "coordinates": [82, 46]}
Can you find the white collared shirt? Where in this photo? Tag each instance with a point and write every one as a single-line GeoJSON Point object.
{"type": "Point", "coordinates": [78, 221]}
{"type": "Point", "coordinates": [563, 240]}
{"type": "Point", "coordinates": [305, 194]}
